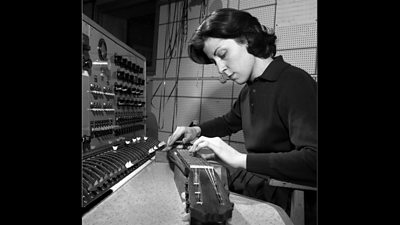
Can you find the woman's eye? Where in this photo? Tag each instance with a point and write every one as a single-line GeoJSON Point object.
{"type": "Point", "coordinates": [222, 54]}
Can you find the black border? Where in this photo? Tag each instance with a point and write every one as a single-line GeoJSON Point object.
{"type": "Point", "coordinates": [43, 102]}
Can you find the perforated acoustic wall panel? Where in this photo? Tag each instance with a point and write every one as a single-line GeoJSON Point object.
{"type": "Point", "coordinates": [162, 29]}
{"type": "Point", "coordinates": [255, 3]}
{"type": "Point", "coordinates": [194, 11]}
{"type": "Point", "coordinates": [214, 89]}
{"type": "Point", "coordinates": [303, 58]}
{"type": "Point", "coordinates": [188, 68]}
{"type": "Point", "coordinates": [216, 4]}
{"type": "Point", "coordinates": [238, 146]}
{"type": "Point", "coordinates": [191, 88]}
{"type": "Point", "coordinates": [211, 108]}
{"type": "Point", "coordinates": [238, 137]}
{"type": "Point", "coordinates": [200, 96]}
{"type": "Point", "coordinates": [162, 135]}
{"type": "Point", "coordinates": [291, 12]}
{"type": "Point", "coordinates": [210, 70]}
{"type": "Point", "coordinates": [163, 109]}
{"type": "Point", "coordinates": [164, 88]}
{"type": "Point", "coordinates": [188, 109]}
{"type": "Point", "coordinates": [265, 14]}
{"type": "Point", "coordinates": [296, 36]}
{"type": "Point", "coordinates": [192, 26]}
{"type": "Point", "coordinates": [166, 67]}
{"type": "Point", "coordinates": [236, 90]}
{"type": "Point", "coordinates": [233, 4]}
{"type": "Point", "coordinates": [168, 12]}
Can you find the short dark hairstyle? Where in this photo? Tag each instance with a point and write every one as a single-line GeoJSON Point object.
{"type": "Point", "coordinates": [228, 23]}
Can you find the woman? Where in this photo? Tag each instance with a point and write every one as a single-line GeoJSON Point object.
{"type": "Point", "coordinates": [276, 109]}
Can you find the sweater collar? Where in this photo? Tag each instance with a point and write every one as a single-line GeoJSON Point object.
{"type": "Point", "coordinates": [274, 69]}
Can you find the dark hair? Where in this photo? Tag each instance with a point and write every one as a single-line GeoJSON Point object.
{"type": "Point", "coordinates": [233, 24]}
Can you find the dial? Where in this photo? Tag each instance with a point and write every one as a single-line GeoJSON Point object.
{"type": "Point", "coordinates": [102, 49]}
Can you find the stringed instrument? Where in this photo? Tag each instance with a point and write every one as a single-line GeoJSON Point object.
{"type": "Point", "coordinates": [206, 198]}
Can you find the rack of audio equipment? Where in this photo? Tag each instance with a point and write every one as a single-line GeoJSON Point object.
{"type": "Point", "coordinates": [114, 142]}
{"type": "Point", "coordinates": [113, 88]}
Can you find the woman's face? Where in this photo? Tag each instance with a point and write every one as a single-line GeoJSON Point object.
{"type": "Point", "coordinates": [231, 58]}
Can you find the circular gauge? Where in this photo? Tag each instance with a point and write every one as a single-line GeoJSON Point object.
{"type": "Point", "coordinates": [102, 49]}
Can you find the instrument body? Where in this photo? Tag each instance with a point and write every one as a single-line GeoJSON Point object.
{"type": "Point", "coordinates": [206, 198]}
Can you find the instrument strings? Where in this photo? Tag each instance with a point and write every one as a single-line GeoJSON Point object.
{"type": "Point", "coordinates": [197, 164]}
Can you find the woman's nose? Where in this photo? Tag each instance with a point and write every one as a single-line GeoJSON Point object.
{"type": "Point", "coordinates": [221, 67]}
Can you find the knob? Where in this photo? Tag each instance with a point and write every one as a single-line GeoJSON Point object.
{"type": "Point", "coordinates": [87, 63]}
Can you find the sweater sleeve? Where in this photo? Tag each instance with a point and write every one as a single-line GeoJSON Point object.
{"type": "Point", "coordinates": [223, 125]}
{"type": "Point", "coordinates": [297, 107]}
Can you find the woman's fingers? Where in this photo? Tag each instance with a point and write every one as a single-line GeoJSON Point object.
{"type": "Point", "coordinates": [177, 133]}
{"type": "Point", "coordinates": [198, 144]}
{"type": "Point", "coordinates": [206, 156]}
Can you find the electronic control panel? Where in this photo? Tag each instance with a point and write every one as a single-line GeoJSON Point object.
{"type": "Point", "coordinates": [109, 167]}
{"type": "Point", "coordinates": [113, 89]}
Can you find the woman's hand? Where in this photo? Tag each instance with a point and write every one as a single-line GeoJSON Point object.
{"type": "Point", "coordinates": [189, 134]}
{"type": "Point", "coordinates": [224, 152]}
